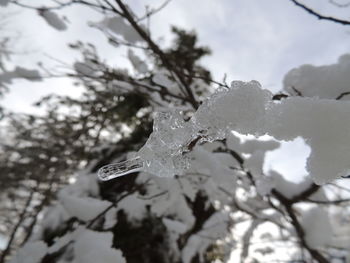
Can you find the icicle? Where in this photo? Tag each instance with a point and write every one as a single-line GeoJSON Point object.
{"type": "Point", "coordinates": [114, 170]}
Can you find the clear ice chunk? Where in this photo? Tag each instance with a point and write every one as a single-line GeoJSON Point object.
{"type": "Point", "coordinates": [114, 170]}
{"type": "Point", "coordinates": [164, 153]}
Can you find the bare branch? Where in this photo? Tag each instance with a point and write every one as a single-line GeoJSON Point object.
{"type": "Point", "coordinates": [154, 10]}
{"type": "Point", "coordinates": [342, 95]}
{"type": "Point", "coordinates": [154, 47]}
{"type": "Point", "coordinates": [333, 2]}
{"type": "Point", "coordinates": [321, 17]}
{"type": "Point", "coordinates": [329, 202]}
{"type": "Point", "coordinates": [21, 218]}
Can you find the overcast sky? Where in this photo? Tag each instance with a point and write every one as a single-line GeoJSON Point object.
{"type": "Point", "coordinates": [250, 39]}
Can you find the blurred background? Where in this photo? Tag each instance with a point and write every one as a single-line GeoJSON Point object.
{"type": "Point", "coordinates": [79, 86]}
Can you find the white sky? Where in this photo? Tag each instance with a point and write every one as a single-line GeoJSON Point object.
{"type": "Point", "coordinates": [250, 39]}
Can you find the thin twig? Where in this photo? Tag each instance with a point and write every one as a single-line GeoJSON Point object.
{"type": "Point", "coordinates": [154, 47]}
{"type": "Point", "coordinates": [21, 218]}
{"type": "Point", "coordinates": [321, 17]}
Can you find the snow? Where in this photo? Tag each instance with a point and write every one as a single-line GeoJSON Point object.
{"type": "Point", "coordinates": [190, 250]}
{"type": "Point", "coordinates": [53, 20]}
{"type": "Point", "coordinates": [7, 76]}
{"type": "Point", "coordinates": [139, 65]}
{"type": "Point", "coordinates": [323, 124]}
{"type": "Point", "coordinates": [174, 225]}
{"type": "Point", "coordinates": [31, 252]}
{"type": "Point", "coordinates": [4, 2]}
{"type": "Point", "coordinates": [83, 208]}
{"type": "Point", "coordinates": [240, 109]}
{"type": "Point", "coordinates": [251, 146]}
{"type": "Point", "coordinates": [55, 216]}
{"type": "Point", "coordinates": [19, 72]}
{"type": "Point", "coordinates": [172, 204]}
{"type": "Point", "coordinates": [86, 185]}
{"type": "Point", "coordinates": [92, 247]}
{"type": "Point", "coordinates": [62, 241]}
{"type": "Point", "coordinates": [133, 206]}
{"type": "Point", "coordinates": [264, 185]}
{"type": "Point", "coordinates": [86, 68]}
{"type": "Point", "coordinates": [325, 82]}
{"type": "Point", "coordinates": [287, 188]}
{"type": "Point", "coordinates": [317, 227]}
{"type": "Point", "coordinates": [110, 218]}
{"type": "Point", "coordinates": [29, 74]}
{"type": "Point", "coordinates": [255, 163]}
{"type": "Point", "coordinates": [198, 243]}
{"type": "Point", "coordinates": [118, 26]}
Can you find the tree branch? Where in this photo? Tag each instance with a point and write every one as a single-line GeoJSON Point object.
{"type": "Point", "coordinates": [21, 218]}
{"type": "Point", "coordinates": [321, 17]}
{"type": "Point", "coordinates": [154, 47]}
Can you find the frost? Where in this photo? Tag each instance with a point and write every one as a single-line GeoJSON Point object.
{"type": "Point", "coordinates": [92, 247]}
{"type": "Point", "coordinates": [53, 19]}
{"type": "Point", "coordinates": [318, 230]}
{"type": "Point", "coordinates": [30, 253]}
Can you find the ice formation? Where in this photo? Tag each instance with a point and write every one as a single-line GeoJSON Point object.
{"type": "Point", "coordinates": [248, 109]}
{"type": "Point", "coordinates": [164, 152]}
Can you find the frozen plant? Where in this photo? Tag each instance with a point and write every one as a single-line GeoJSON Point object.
{"type": "Point", "coordinates": [249, 109]}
